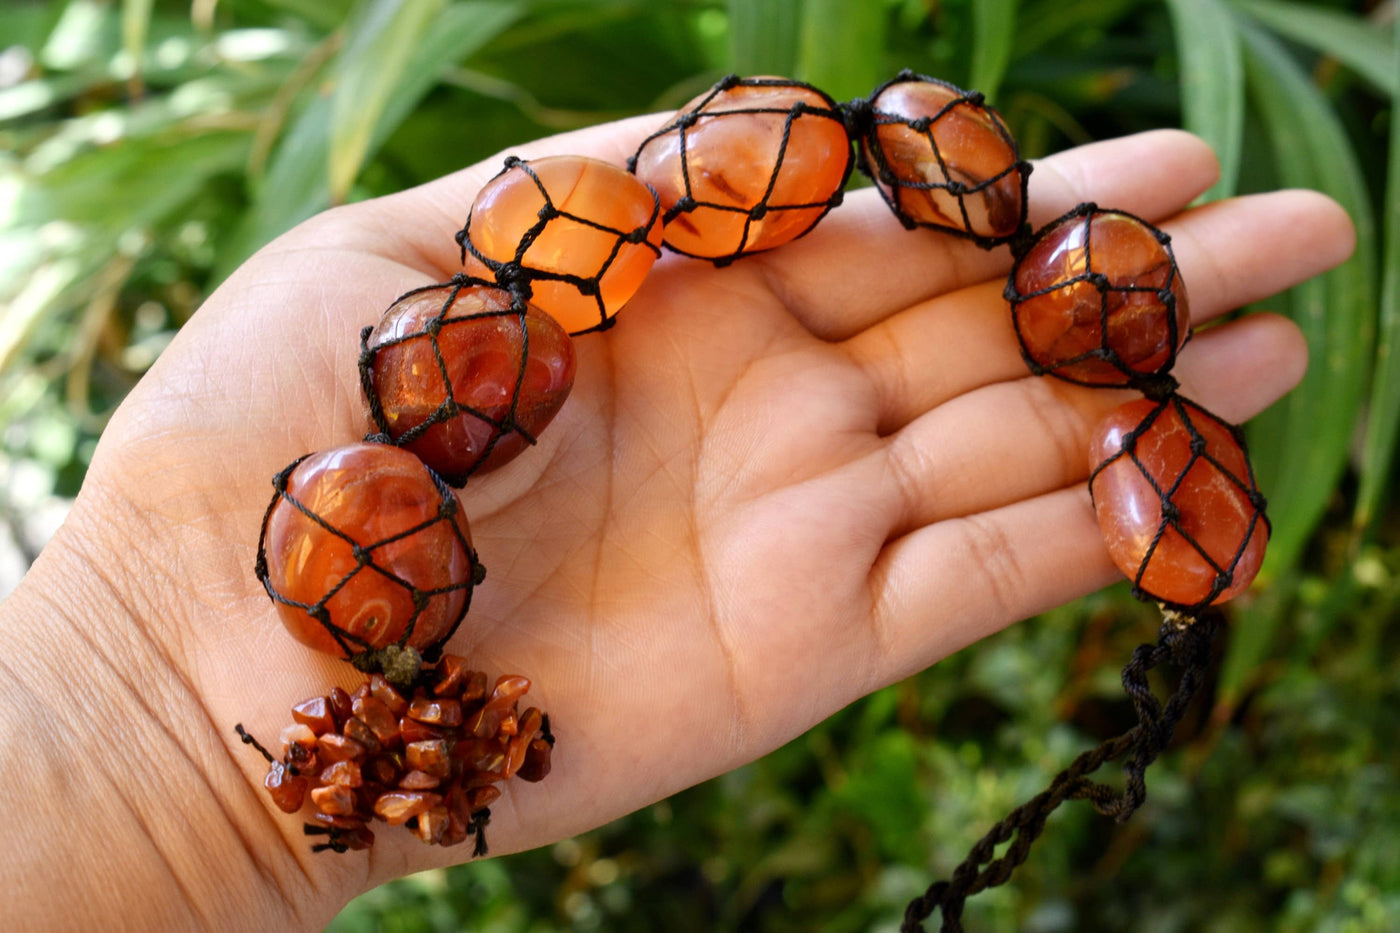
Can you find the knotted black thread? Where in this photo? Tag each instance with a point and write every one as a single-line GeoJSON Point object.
{"type": "Point", "coordinates": [1187, 643]}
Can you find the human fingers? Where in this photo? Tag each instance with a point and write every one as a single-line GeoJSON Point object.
{"type": "Point", "coordinates": [983, 570]}
{"type": "Point", "coordinates": [859, 265]}
{"type": "Point", "coordinates": [1025, 438]}
{"type": "Point", "coordinates": [1231, 254]}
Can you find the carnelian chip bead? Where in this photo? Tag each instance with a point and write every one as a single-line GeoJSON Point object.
{"type": "Point", "coordinates": [465, 375]}
{"type": "Point", "coordinates": [1097, 299]}
{"type": "Point", "coordinates": [1176, 501]}
{"type": "Point", "coordinates": [583, 233]}
{"type": "Point", "coordinates": [749, 165]}
{"type": "Point", "coordinates": [287, 790]}
{"type": "Point", "coordinates": [363, 547]}
{"type": "Point", "coordinates": [944, 159]}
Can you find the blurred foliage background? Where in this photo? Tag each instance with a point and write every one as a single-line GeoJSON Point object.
{"type": "Point", "coordinates": [147, 147]}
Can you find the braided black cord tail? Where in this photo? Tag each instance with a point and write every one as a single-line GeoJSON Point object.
{"type": "Point", "coordinates": [1186, 641]}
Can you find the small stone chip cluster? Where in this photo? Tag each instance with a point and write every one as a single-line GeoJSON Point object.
{"type": "Point", "coordinates": [432, 761]}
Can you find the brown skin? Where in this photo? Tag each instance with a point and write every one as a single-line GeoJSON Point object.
{"type": "Point", "coordinates": [776, 488]}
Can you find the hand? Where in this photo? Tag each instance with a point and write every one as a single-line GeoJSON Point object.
{"type": "Point", "coordinates": [776, 487]}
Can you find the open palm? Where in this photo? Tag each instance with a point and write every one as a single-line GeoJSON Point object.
{"type": "Point", "coordinates": [776, 487]}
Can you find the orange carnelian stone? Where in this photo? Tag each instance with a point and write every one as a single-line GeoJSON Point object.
{"type": "Point", "coordinates": [1212, 505]}
{"type": "Point", "coordinates": [480, 340]}
{"type": "Point", "coordinates": [965, 145]}
{"type": "Point", "coordinates": [586, 195]}
{"type": "Point", "coordinates": [1099, 331]}
{"type": "Point", "coordinates": [368, 493]}
{"type": "Point", "coordinates": [731, 156]}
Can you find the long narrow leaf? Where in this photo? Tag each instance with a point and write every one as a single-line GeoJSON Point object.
{"type": "Point", "coordinates": [136, 22]}
{"type": "Point", "coordinates": [993, 32]}
{"type": "Point", "coordinates": [383, 40]}
{"type": "Point", "coordinates": [1212, 83]}
{"type": "Point", "coordinates": [1336, 311]}
{"type": "Point", "coordinates": [1361, 46]}
{"type": "Point", "coordinates": [842, 47]}
{"type": "Point", "coordinates": [1308, 434]}
{"type": "Point", "coordinates": [1384, 410]}
{"type": "Point", "coordinates": [763, 36]}
{"type": "Point", "coordinates": [297, 184]}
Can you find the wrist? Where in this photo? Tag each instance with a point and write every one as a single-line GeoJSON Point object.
{"type": "Point", "coordinates": [115, 773]}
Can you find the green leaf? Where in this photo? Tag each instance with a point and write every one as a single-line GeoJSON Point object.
{"type": "Point", "coordinates": [1307, 436]}
{"type": "Point", "coordinates": [1212, 83]}
{"type": "Point", "coordinates": [1335, 311]}
{"type": "Point", "coordinates": [993, 32]}
{"type": "Point", "coordinates": [1363, 47]}
{"type": "Point", "coordinates": [136, 22]}
{"type": "Point", "coordinates": [294, 188]}
{"type": "Point", "coordinates": [763, 36]}
{"type": "Point", "coordinates": [1046, 22]}
{"type": "Point", "coordinates": [395, 52]}
{"type": "Point", "coordinates": [1384, 409]}
{"type": "Point", "coordinates": [298, 185]}
{"type": "Point", "coordinates": [132, 185]}
{"type": "Point", "coordinates": [842, 47]}
{"type": "Point", "coordinates": [384, 38]}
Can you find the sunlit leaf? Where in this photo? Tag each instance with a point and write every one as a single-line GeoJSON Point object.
{"type": "Point", "coordinates": [136, 22]}
{"type": "Point", "coordinates": [1212, 83]}
{"type": "Point", "coordinates": [1364, 47]}
{"type": "Point", "coordinates": [383, 39]}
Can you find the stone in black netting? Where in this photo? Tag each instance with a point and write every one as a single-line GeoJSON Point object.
{"type": "Point", "coordinates": [942, 158]}
{"type": "Point", "coordinates": [576, 267]}
{"type": "Point", "coordinates": [1097, 299]}
{"type": "Point", "coordinates": [464, 374]}
{"type": "Point", "coordinates": [367, 555]}
{"type": "Point", "coordinates": [1177, 502]}
{"type": "Point", "coordinates": [751, 164]}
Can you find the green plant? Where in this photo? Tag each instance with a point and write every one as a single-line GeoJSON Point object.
{"type": "Point", "coordinates": [148, 147]}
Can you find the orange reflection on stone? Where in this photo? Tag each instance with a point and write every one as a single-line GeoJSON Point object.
{"type": "Point", "coordinates": [730, 153]}
{"type": "Point", "coordinates": [1100, 317]}
{"type": "Point", "coordinates": [587, 195]}
{"type": "Point", "coordinates": [1209, 503]}
{"type": "Point", "coordinates": [962, 149]}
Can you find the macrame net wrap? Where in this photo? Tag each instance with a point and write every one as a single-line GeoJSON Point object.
{"type": "Point", "coordinates": [1112, 299]}
{"type": "Point", "coordinates": [463, 301]}
{"type": "Point", "coordinates": [755, 212]}
{"type": "Point", "coordinates": [519, 274]}
{"type": "Point", "coordinates": [1202, 460]}
{"type": "Point", "coordinates": [896, 182]}
{"type": "Point", "coordinates": [1188, 632]}
{"type": "Point", "coordinates": [357, 650]}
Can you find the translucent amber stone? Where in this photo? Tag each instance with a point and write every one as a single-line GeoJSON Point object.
{"type": "Point", "coordinates": [592, 221]}
{"type": "Point", "coordinates": [944, 159]}
{"type": "Point", "coordinates": [364, 558]}
{"type": "Point", "coordinates": [1205, 540]}
{"type": "Point", "coordinates": [1098, 299]}
{"type": "Point", "coordinates": [287, 791]}
{"type": "Point", "coordinates": [729, 145]}
{"type": "Point", "coordinates": [480, 341]}
{"type": "Point", "coordinates": [398, 807]}
{"type": "Point", "coordinates": [436, 712]}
